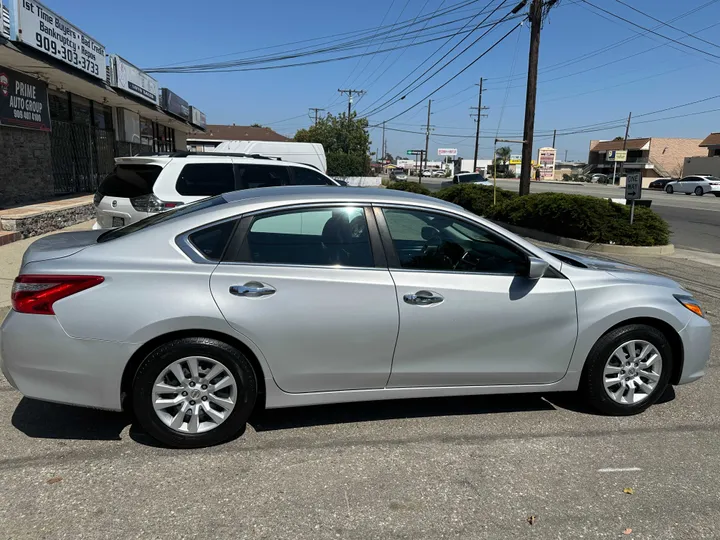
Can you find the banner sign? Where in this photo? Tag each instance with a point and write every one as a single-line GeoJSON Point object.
{"type": "Point", "coordinates": [617, 155]}
{"type": "Point", "coordinates": [197, 118]}
{"type": "Point", "coordinates": [447, 151]}
{"type": "Point", "coordinates": [174, 104]}
{"type": "Point", "coordinates": [23, 101]}
{"type": "Point", "coordinates": [515, 159]}
{"type": "Point", "coordinates": [546, 159]}
{"type": "Point", "coordinates": [127, 77]}
{"type": "Point", "coordinates": [42, 29]}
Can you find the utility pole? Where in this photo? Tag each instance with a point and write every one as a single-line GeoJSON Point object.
{"type": "Point", "coordinates": [427, 134]}
{"type": "Point", "coordinates": [537, 10]}
{"type": "Point", "coordinates": [480, 109]}
{"type": "Point", "coordinates": [384, 152]}
{"type": "Point", "coordinates": [627, 132]}
{"type": "Point", "coordinates": [350, 94]}
{"type": "Point", "coordinates": [317, 110]}
{"type": "Point", "coordinates": [554, 135]}
{"type": "Point", "coordinates": [566, 156]}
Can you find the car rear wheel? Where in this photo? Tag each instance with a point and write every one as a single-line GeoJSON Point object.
{"type": "Point", "coordinates": [669, 190]}
{"type": "Point", "coordinates": [194, 392]}
{"type": "Point", "coordinates": [627, 370]}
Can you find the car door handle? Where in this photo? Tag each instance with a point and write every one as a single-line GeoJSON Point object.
{"type": "Point", "coordinates": [252, 289]}
{"type": "Point", "coordinates": [423, 298]}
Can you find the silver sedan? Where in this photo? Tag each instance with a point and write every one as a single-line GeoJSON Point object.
{"type": "Point", "coordinates": [293, 296]}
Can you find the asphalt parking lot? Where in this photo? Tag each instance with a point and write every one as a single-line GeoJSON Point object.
{"type": "Point", "coordinates": [526, 466]}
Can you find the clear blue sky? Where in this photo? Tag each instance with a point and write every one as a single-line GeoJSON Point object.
{"type": "Point", "coordinates": [161, 32]}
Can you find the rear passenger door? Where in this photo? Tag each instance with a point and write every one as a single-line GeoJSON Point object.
{"type": "Point", "coordinates": [255, 175]}
{"type": "Point", "coordinates": [310, 287]}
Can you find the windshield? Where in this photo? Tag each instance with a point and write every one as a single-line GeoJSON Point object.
{"type": "Point", "coordinates": [161, 218]}
{"type": "Point", "coordinates": [472, 177]}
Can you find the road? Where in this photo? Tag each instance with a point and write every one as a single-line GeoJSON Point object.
{"type": "Point", "coordinates": [694, 221]}
{"type": "Point", "coordinates": [474, 468]}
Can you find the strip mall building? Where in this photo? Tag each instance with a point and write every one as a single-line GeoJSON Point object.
{"type": "Point", "coordinates": [68, 108]}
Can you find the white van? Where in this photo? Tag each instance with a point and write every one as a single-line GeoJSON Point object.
{"type": "Point", "coordinates": [312, 154]}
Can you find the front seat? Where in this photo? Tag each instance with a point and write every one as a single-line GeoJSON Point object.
{"type": "Point", "coordinates": [336, 238]}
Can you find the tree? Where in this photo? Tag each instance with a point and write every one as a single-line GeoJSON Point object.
{"type": "Point", "coordinates": [389, 157]}
{"type": "Point", "coordinates": [256, 125]}
{"type": "Point", "coordinates": [346, 143]}
{"type": "Point", "coordinates": [503, 154]}
{"type": "Point", "coordinates": [619, 139]}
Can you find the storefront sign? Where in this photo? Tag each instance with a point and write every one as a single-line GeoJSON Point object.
{"type": "Point", "coordinates": [447, 151]}
{"type": "Point", "coordinates": [546, 159]}
{"type": "Point", "coordinates": [127, 77]}
{"type": "Point", "coordinates": [617, 155]}
{"type": "Point", "coordinates": [40, 28]}
{"type": "Point", "coordinates": [174, 104]}
{"type": "Point", "coordinates": [197, 118]}
{"type": "Point", "coordinates": [515, 159]}
{"type": "Point", "coordinates": [23, 101]}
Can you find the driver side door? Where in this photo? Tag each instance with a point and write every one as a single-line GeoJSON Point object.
{"type": "Point", "coordinates": [468, 317]}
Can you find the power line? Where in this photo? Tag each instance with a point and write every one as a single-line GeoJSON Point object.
{"type": "Point", "coordinates": [404, 92]}
{"type": "Point", "coordinates": [479, 25]}
{"type": "Point", "coordinates": [688, 34]}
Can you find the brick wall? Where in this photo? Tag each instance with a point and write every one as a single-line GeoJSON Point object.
{"type": "Point", "coordinates": [670, 154]}
{"type": "Point", "coordinates": [25, 166]}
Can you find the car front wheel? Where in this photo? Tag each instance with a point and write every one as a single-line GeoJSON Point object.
{"type": "Point", "coordinates": [194, 392]}
{"type": "Point", "coordinates": [627, 370]}
{"type": "Point", "coordinates": [669, 190]}
{"type": "Point", "coordinates": [699, 191]}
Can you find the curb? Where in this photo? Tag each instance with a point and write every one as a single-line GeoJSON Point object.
{"type": "Point", "coordinates": [668, 249]}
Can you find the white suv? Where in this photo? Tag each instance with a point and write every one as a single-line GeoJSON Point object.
{"type": "Point", "coordinates": [143, 185]}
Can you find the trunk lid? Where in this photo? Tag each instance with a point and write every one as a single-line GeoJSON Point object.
{"type": "Point", "coordinates": [59, 245]}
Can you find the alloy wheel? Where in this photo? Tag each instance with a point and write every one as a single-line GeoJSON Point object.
{"type": "Point", "coordinates": [632, 372]}
{"type": "Point", "coordinates": [194, 394]}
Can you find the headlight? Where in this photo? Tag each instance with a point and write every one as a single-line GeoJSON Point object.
{"type": "Point", "coordinates": [690, 303]}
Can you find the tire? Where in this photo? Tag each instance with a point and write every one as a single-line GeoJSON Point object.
{"type": "Point", "coordinates": [716, 194]}
{"type": "Point", "coordinates": [669, 190]}
{"type": "Point", "coordinates": [699, 191]}
{"type": "Point", "coordinates": [212, 352]}
{"type": "Point", "coordinates": [592, 386]}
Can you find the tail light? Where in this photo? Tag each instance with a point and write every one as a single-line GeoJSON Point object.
{"type": "Point", "coordinates": [97, 198]}
{"type": "Point", "coordinates": [151, 204]}
{"type": "Point", "coordinates": [37, 293]}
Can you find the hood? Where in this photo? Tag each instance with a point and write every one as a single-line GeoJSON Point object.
{"type": "Point", "coordinates": [59, 245]}
{"type": "Point", "coordinates": [618, 270]}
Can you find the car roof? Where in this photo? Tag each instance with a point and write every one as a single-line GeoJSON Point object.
{"type": "Point", "coordinates": [300, 194]}
{"type": "Point", "coordinates": [207, 157]}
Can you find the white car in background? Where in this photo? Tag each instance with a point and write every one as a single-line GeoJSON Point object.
{"type": "Point", "coordinates": [471, 178]}
{"type": "Point", "coordinates": [144, 185]}
{"type": "Point", "coordinates": [699, 184]}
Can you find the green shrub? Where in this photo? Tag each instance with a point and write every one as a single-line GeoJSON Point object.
{"type": "Point", "coordinates": [410, 186]}
{"type": "Point", "coordinates": [341, 164]}
{"type": "Point", "coordinates": [584, 218]}
{"type": "Point", "coordinates": [476, 199]}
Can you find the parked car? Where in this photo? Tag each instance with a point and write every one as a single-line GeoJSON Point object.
{"type": "Point", "coordinates": [599, 178]}
{"type": "Point", "coordinates": [427, 173]}
{"type": "Point", "coordinates": [398, 175]}
{"type": "Point", "coordinates": [697, 184]}
{"type": "Point", "coordinates": [312, 154]}
{"type": "Point", "coordinates": [439, 173]}
{"type": "Point", "coordinates": [298, 296]}
{"type": "Point", "coordinates": [660, 183]}
{"type": "Point", "coordinates": [471, 178]}
{"type": "Point", "coordinates": [144, 185]}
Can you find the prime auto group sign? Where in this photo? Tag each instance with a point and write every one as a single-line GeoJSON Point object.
{"type": "Point", "coordinates": [42, 29]}
{"type": "Point", "coordinates": [23, 101]}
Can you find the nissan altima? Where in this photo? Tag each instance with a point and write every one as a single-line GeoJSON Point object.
{"type": "Point", "coordinates": [292, 296]}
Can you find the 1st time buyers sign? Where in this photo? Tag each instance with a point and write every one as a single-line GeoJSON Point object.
{"type": "Point", "coordinates": [42, 29]}
{"type": "Point", "coordinates": [23, 101]}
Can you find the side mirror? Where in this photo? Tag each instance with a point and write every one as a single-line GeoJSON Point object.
{"type": "Point", "coordinates": [536, 268]}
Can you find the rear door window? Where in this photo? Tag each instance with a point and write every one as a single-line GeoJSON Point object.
{"type": "Point", "coordinates": [206, 179]}
{"type": "Point", "coordinates": [129, 181]}
{"type": "Point", "coordinates": [211, 241]}
{"type": "Point", "coordinates": [255, 176]}
{"type": "Point", "coordinates": [309, 177]}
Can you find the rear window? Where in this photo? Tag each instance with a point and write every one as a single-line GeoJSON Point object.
{"type": "Point", "coordinates": [161, 217]}
{"type": "Point", "coordinates": [206, 179]}
{"type": "Point", "coordinates": [256, 176]}
{"type": "Point", "coordinates": [129, 181]}
{"type": "Point", "coordinates": [470, 177]}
